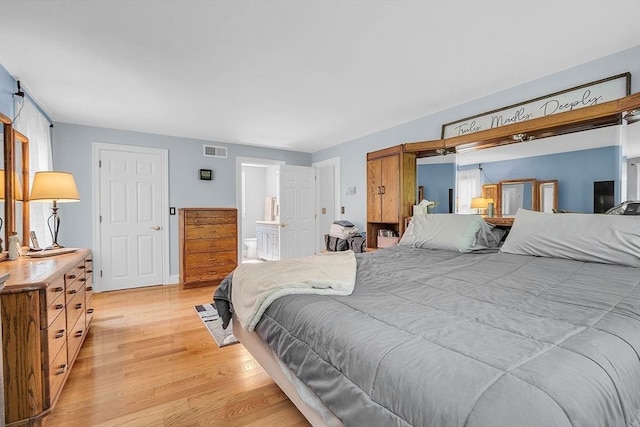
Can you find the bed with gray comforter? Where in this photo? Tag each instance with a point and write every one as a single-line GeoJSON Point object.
{"type": "Point", "coordinates": [442, 338]}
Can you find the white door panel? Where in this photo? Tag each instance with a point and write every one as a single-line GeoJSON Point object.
{"type": "Point", "coordinates": [131, 218]}
{"type": "Point", "coordinates": [297, 211]}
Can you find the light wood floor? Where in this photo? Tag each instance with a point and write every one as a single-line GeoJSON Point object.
{"type": "Point", "coordinates": [149, 361]}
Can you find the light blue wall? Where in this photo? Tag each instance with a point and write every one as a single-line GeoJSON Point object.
{"type": "Point", "coordinates": [7, 89]}
{"type": "Point", "coordinates": [72, 152]}
{"type": "Point", "coordinates": [353, 153]}
{"type": "Point", "coordinates": [437, 179]}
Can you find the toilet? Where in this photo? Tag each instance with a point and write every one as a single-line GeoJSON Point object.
{"type": "Point", "coordinates": [251, 247]}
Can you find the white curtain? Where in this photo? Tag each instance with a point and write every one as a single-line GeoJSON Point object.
{"type": "Point", "coordinates": [31, 122]}
{"type": "Point", "coordinates": [469, 183]}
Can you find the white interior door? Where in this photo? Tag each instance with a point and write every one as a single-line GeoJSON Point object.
{"type": "Point", "coordinates": [131, 223]}
{"type": "Point", "coordinates": [326, 207]}
{"type": "Point", "coordinates": [297, 211]}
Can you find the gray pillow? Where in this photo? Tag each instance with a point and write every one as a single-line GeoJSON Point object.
{"type": "Point", "coordinates": [610, 239]}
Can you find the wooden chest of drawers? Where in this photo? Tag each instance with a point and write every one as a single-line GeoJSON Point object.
{"type": "Point", "coordinates": [44, 323]}
{"type": "Point", "coordinates": [208, 245]}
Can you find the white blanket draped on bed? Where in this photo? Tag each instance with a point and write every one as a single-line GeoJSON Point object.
{"type": "Point", "coordinates": [255, 286]}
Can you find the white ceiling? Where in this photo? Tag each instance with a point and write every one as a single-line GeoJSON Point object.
{"type": "Point", "coordinates": [301, 75]}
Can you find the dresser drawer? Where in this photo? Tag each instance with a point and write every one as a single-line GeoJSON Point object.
{"type": "Point", "coordinates": [209, 273]}
{"type": "Point", "coordinates": [55, 289]}
{"type": "Point", "coordinates": [210, 231]}
{"type": "Point", "coordinates": [89, 310]}
{"type": "Point", "coordinates": [209, 259]}
{"type": "Point", "coordinates": [211, 217]}
{"type": "Point", "coordinates": [54, 309]}
{"type": "Point", "coordinates": [72, 276]}
{"type": "Point", "coordinates": [192, 246]}
{"type": "Point", "coordinates": [57, 372]}
{"type": "Point", "coordinates": [57, 334]}
{"type": "Point", "coordinates": [76, 337]}
{"type": "Point", "coordinates": [75, 309]}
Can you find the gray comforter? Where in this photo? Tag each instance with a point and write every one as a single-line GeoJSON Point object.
{"type": "Point", "coordinates": [436, 338]}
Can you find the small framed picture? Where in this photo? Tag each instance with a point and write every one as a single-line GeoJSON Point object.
{"type": "Point", "coordinates": [206, 174]}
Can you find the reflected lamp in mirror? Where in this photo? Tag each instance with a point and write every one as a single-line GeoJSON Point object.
{"type": "Point", "coordinates": [56, 187]}
{"type": "Point", "coordinates": [479, 203]}
{"type": "Point", "coordinates": [17, 190]}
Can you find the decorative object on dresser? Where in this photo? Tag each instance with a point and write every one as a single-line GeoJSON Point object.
{"type": "Point", "coordinates": [391, 190]}
{"type": "Point", "coordinates": [56, 187]}
{"type": "Point", "coordinates": [46, 312]}
{"type": "Point", "coordinates": [208, 245]}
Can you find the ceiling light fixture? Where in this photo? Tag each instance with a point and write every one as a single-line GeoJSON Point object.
{"type": "Point", "coordinates": [632, 116]}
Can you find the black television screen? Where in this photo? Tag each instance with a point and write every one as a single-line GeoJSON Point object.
{"type": "Point", "coordinates": [603, 198]}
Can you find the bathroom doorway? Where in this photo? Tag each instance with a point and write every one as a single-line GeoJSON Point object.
{"type": "Point", "coordinates": [257, 185]}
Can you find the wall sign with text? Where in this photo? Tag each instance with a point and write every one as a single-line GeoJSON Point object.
{"type": "Point", "coordinates": [586, 95]}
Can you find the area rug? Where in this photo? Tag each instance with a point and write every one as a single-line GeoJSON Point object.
{"type": "Point", "coordinates": [213, 322]}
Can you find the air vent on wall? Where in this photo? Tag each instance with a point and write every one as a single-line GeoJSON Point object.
{"type": "Point", "coordinates": [213, 151]}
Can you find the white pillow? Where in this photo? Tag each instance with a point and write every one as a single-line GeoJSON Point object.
{"type": "Point", "coordinates": [463, 233]}
{"type": "Point", "coordinates": [610, 239]}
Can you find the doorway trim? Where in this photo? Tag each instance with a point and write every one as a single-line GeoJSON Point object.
{"type": "Point", "coordinates": [96, 147]}
{"type": "Point", "coordinates": [239, 162]}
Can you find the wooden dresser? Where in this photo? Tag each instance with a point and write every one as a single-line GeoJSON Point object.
{"type": "Point", "coordinates": [208, 245]}
{"type": "Point", "coordinates": [46, 311]}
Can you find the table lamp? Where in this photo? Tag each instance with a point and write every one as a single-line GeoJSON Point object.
{"type": "Point", "coordinates": [56, 187]}
{"type": "Point", "coordinates": [479, 203]}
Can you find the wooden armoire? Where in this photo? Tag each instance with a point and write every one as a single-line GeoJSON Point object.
{"type": "Point", "coordinates": [391, 190]}
{"type": "Point", "coordinates": [208, 245]}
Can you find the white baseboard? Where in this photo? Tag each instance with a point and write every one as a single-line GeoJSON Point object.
{"type": "Point", "coordinates": [174, 279]}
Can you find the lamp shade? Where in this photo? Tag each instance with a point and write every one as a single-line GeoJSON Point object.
{"type": "Point", "coordinates": [17, 188]}
{"type": "Point", "coordinates": [53, 186]}
{"type": "Point", "coordinates": [479, 203]}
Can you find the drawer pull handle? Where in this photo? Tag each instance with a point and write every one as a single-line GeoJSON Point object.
{"type": "Point", "coordinates": [61, 369]}
{"type": "Point", "coordinates": [78, 306]}
{"type": "Point", "coordinates": [59, 306]}
{"type": "Point", "coordinates": [71, 276]}
{"type": "Point", "coordinates": [89, 260]}
{"type": "Point", "coordinates": [82, 267]}
{"type": "Point", "coordinates": [90, 311]}
{"type": "Point", "coordinates": [58, 289]}
{"type": "Point", "coordinates": [83, 279]}
{"type": "Point", "coordinates": [73, 291]}
{"type": "Point", "coordinates": [89, 288]}
{"type": "Point", "coordinates": [89, 271]}
{"type": "Point", "coordinates": [60, 333]}
{"type": "Point", "coordinates": [78, 334]}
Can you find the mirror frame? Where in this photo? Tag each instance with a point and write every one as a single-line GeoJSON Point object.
{"type": "Point", "coordinates": [539, 187]}
{"type": "Point", "coordinates": [10, 137]}
{"type": "Point", "coordinates": [534, 192]}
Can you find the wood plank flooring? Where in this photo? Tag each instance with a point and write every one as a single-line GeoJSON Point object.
{"type": "Point", "coordinates": [149, 361]}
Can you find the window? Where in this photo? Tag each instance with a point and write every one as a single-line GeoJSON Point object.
{"type": "Point", "coordinates": [32, 123]}
{"type": "Point", "coordinates": [469, 186]}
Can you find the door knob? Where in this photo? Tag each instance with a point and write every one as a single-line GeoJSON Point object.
{"type": "Point", "coordinates": [283, 225]}
{"type": "Point", "coordinates": [155, 227]}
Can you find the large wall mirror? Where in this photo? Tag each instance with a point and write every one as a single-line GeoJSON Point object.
{"type": "Point", "coordinates": [516, 194]}
{"type": "Point", "coordinates": [16, 183]}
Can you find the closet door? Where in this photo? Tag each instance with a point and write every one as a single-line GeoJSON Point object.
{"type": "Point", "coordinates": [390, 180]}
{"type": "Point", "coordinates": [374, 190]}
